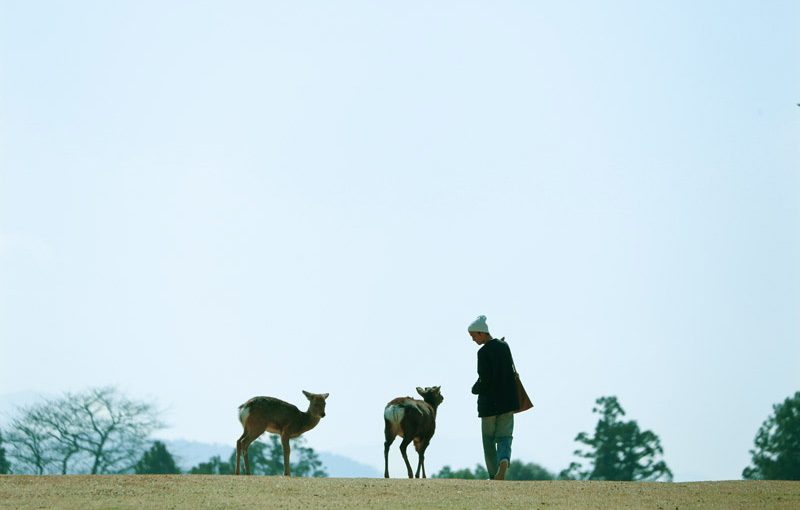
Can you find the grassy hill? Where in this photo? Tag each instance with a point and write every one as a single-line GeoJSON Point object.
{"type": "Point", "coordinates": [131, 491]}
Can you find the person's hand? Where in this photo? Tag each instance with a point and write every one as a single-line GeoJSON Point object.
{"type": "Point", "coordinates": [476, 388]}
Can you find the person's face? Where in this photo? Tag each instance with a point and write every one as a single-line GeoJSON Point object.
{"type": "Point", "coordinates": [478, 337]}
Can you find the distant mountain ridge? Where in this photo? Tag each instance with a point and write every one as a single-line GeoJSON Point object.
{"type": "Point", "coordinates": [188, 454]}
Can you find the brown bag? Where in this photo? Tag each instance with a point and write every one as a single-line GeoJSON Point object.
{"type": "Point", "coordinates": [524, 400]}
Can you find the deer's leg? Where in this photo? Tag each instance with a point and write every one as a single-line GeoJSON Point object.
{"type": "Point", "coordinates": [247, 439]}
{"type": "Point", "coordinates": [421, 451]}
{"type": "Point", "coordinates": [387, 431]}
{"type": "Point", "coordinates": [420, 446]}
{"type": "Point", "coordinates": [285, 443]}
{"type": "Point", "coordinates": [239, 443]}
{"type": "Point", "coordinates": [403, 447]}
{"type": "Point", "coordinates": [419, 457]}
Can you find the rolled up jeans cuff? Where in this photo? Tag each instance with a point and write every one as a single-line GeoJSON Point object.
{"type": "Point", "coordinates": [504, 449]}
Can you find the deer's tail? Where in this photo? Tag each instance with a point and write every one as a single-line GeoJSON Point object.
{"type": "Point", "coordinates": [393, 414]}
{"type": "Point", "coordinates": [244, 412]}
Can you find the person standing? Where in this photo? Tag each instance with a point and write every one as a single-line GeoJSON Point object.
{"type": "Point", "coordinates": [497, 397]}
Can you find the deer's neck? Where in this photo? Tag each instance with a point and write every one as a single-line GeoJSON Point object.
{"type": "Point", "coordinates": [308, 420]}
{"type": "Point", "coordinates": [434, 406]}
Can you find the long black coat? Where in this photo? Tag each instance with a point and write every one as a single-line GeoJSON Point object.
{"type": "Point", "coordinates": [496, 386]}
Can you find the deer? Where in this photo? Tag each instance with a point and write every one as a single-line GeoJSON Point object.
{"type": "Point", "coordinates": [260, 414]}
{"type": "Point", "coordinates": [413, 420]}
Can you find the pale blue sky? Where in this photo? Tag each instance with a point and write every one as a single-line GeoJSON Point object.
{"type": "Point", "coordinates": [205, 201]}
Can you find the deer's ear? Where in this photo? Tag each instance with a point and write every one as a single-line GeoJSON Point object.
{"type": "Point", "coordinates": [325, 395]}
{"type": "Point", "coordinates": [420, 390]}
{"type": "Point", "coordinates": [437, 389]}
{"type": "Point", "coordinates": [307, 394]}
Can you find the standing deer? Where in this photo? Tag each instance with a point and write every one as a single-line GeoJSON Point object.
{"type": "Point", "coordinates": [269, 414]}
{"type": "Point", "coordinates": [413, 420]}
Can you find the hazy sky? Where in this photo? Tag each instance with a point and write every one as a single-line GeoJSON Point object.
{"type": "Point", "coordinates": [205, 201]}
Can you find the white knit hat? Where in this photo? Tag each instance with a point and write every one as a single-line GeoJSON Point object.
{"type": "Point", "coordinates": [479, 325]}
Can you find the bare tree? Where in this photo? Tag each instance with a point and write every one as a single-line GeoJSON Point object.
{"type": "Point", "coordinates": [97, 431]}
{"type": "Point", "coordinates": [59, 444]}
{"type": "Point", "coordinates": [111, 428]}
{"type": "Point", "coordinates": [30, 446]}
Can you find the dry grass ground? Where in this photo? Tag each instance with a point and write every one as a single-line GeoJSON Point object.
{"type": "Point", "coordinates": [88, 492]}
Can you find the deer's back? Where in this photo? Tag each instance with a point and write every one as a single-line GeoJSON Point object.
{"type": "Point", "coordinates": [409, 416]}
{"type": "Point", "coordinates": [411, 403]}
{"type": "Point", "coordinates": [268, 410]}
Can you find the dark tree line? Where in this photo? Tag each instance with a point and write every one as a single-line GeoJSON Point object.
{"type": "Point", "coordinates": [517, 470]}
{"type": "Point", "coordinates": [266, 458]}
{"type": "Point", "coordinates": [620, 450]}
{"type": "Point", "coordinates": [101, 431]}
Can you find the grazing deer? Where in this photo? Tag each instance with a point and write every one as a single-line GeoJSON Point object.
{"type": "Point", "coordinates": [269, 414]}
{"type": "Point", "coordinates": [413, 420]}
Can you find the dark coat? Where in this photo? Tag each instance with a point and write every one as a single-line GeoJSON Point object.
{"type": "Point", "coordinates": [496, 386]}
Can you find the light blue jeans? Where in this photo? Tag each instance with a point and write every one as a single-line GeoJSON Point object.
{"type": "Point", "coordinates": [497, 434]}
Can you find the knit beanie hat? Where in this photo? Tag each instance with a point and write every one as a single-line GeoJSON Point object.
{"type": "Point", "coordinates": [479, 325]}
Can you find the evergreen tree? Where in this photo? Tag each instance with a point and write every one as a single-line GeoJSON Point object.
{"type": "Point", "coordinates": [480, 473]}
{"type": "Point", "coordinates": [5, 466]}
{"type": "Point", "coordinates": [214, 466]}
{"type": "Point", "coordinates": [777, 444]}
{"type": "Point", "coordinates": [518, 470]}
{"type": "Point", "coordinates": [619, 450]}
{"type": "Point", "coordinates": [267, 458]}
{"type": "Point", "coordinates": [156, 461]}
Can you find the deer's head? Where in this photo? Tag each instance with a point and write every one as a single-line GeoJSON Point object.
{"type": "Point", "coordinates": [431, 395]}
{"type": "Point", "coordinates": [317, 407]}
